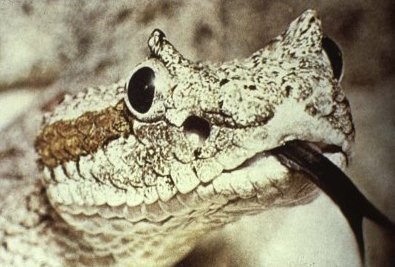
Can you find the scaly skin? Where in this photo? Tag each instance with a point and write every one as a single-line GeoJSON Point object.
{"type": "Point", "coordinates": [134, 175]}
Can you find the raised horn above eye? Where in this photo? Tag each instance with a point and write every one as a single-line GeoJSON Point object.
{"type": "Point", "coordinates": [335, 56]}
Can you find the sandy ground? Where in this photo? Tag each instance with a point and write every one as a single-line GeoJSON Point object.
{"type": "Point", "coordinates": [52, 44]}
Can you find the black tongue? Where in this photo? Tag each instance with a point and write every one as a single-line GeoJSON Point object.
{"type": "Point", "coordinates": [303, 156]}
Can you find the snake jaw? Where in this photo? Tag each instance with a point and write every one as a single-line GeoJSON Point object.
{"type": "Point", "coordinates": [264, 178]}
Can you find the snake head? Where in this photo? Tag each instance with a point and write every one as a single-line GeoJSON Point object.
{"type": "Point", "coordinates": [223, 119]}
{"type": "Point", "coordinates": [183, 147]}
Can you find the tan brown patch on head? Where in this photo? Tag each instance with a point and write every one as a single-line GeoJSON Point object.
{"type": "Point", "coordinates": [68, 140]}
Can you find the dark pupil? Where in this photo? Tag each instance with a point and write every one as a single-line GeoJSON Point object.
{"type": "Point", "coordinates": [141, 89]}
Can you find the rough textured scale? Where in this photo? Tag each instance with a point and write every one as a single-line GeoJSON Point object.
{"type": "Point", "coordinates": [126, 183]}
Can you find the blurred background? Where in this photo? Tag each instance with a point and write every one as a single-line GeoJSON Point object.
{"type": "Point", "coordinates": [63, 46]}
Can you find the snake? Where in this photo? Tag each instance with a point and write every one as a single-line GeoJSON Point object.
{"type": "Point", "coordinates": [137, 172]}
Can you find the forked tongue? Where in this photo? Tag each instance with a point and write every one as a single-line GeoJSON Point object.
{"type": "Point", "coordinates": [303, 156]}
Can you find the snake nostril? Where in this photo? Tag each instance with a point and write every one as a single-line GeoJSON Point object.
{"type": "Point", "coordinates": [196, 129]}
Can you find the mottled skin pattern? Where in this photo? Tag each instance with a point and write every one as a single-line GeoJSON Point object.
{"type": "Point", "coordinates": [127, 188]}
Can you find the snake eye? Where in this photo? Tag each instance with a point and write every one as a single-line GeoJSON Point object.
{"type": "Point", "coordinates": [334, 55]}
{"type": "Point", "coordinates": [141, 89]}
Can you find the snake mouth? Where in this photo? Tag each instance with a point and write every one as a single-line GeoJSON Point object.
{"type": "Point", "coordinates": [309, 158]}
{"type": "Point", "coordinates": [329, 150]}
{"type": "Point", "coordinates": [333, 152]}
